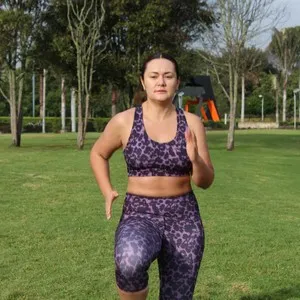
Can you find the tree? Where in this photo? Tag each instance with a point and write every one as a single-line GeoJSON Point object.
{"type": "Point", "coordinates": [85, 21]}
{"type": "Point", "coordinates": [253, 60]}
{"type": "Point", "coordinates": [284, 50]}
{"type": "Point", "coordinates": [240, 21]}
{"type": "Point", "coordinates": [19, 21]}
{"type": "Point", "coordinates": [137, 28]}
{"type": "Point", "coordinates": [61, 53]}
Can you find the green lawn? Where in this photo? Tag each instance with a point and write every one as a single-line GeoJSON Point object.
{"type": "Point", "coordinates": [57, 244]}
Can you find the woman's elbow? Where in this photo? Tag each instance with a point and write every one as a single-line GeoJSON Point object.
{"type": "Point", "coordinates": [204, 182]}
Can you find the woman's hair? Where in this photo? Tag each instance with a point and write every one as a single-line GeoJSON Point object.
{"type": "Point", "coordinates": [139, 97]}
{"type": "Point", "coordinates": [160, 55]}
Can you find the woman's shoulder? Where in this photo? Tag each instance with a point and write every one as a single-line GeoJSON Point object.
{"type": "Point", "coordinates": [192, 118]}
{"type": "Point", "coordinates": [123, 117]}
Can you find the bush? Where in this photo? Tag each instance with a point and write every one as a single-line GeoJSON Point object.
{"type": "Point", "coordinates": [53, 124]}
{"type": "Point", "coordinates": [215, 125]}
{"type": "Point", "coordinates": [100, 123]}
{"type": "Point", "coordinates": [288, 125]}
{"type": "Point", "coordinates": [4, 125]}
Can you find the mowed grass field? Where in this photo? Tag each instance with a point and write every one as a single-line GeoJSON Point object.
{"type": "Point", "coordinates": [57, 244]}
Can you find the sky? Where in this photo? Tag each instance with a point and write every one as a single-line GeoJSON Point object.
{"type": "Point", "coordinates": [291, 19]}
{"type": "Point", "coordinates": [293, 12]}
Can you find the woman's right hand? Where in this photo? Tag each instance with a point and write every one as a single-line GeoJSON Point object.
{"type": "Point", "coordinates": [109, 199]}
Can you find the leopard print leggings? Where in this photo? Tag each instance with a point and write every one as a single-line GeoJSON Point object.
{"type": "Point", "coordinates": [168, 229]}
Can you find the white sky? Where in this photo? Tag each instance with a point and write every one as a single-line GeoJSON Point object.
{"type": "Point", "coordinates": [291, 19]}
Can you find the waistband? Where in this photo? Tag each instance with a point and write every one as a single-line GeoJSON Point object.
{"type": "Point", "coordinates": [179, 206]}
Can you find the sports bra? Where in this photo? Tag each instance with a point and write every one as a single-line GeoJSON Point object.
{"type": "Point", "coordinates": [146, 157]}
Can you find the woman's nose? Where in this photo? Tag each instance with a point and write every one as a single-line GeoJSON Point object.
{"type": "Point", "coordinates": [161, 81]}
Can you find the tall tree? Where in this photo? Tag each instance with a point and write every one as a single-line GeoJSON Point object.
{"type": "Point", "coordinates": [240, 21]}
{"type": "Point", "coordinates": [85, 20]}
{"type": "Point", "coordinates": [19, 22]}
{"type": "Point", "coordinates": [285, 53]}
{"type": "Point", "coordinates": [138, 28]}
{"type": "Point", "coordinates": [55, 50]}
{"type": "Point", "coordinates": [253, 61]}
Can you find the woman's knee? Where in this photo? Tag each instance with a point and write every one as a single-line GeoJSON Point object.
{"type": "Point", "coordinates": [131, 272]}
{"type": "Point", "coordinates": [132, 265]}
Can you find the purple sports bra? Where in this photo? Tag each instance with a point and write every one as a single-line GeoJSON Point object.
{"type": "Point", "coordinates": [145, 157]}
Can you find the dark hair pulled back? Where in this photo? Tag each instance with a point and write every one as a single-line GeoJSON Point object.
{"type": "Point", "coordinates": [156, 56]}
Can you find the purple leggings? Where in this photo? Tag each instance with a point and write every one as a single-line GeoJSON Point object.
{"type": "Point", "coordinates": [166, 228]}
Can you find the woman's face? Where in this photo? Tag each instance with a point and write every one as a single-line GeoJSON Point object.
{"type": "Point", "coordinates": [160, 80]}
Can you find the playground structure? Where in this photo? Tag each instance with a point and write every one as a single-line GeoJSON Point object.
{"type": "Point", "coordinates": [200, 91]}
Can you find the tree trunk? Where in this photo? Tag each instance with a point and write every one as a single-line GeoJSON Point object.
{"type": "Point", "coordinates": [299, 95]}
{"type": "Point", "coordinates": [13, 106]}
{"type": "Point", "coordinates": [80, 140]}
{"type": "Point", "coordinates": [86, 117]}
{"type": "Point", "coordinates": [277, 104]}
{"type": "Point", "coordinates": [243, 99]}
{"type": "Point", "coordinates": [130, 95]}
{"type": "Point", "coordinates": [44, 102]}
{"type": "Point", "coordinates": [73, 109]}
{"type": "Point", "coordinates": [19, 111]}
{"type": "Point", "coordinates": [41, 75]}
{"type": "Point", "coordinates": [33, 94]}
{"type": "Point", "coordinates": [284, 96]}
{"type": "Point", "coordinates": [284, 86]}
{"type": "Point", "coordinates": [230, 138]}
{"type": "Point", "coordinates": [63, 105]}
{"type": "Point", "coordinates": [284, 104]}
{"type": "Point", "coordinates": [80, 126]}
{"type": "Point", "coordinates": [113, 102]}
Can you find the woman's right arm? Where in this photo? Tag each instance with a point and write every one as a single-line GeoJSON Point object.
{"type": "Point", "coordinates": [109, 141]}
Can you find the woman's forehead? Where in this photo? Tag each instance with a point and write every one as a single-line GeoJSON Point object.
{"type": "Point", "coordinates": [160, 65]}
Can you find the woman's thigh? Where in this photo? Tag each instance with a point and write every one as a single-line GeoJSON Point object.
{"type": "Point", "coordinates": [137, 244]}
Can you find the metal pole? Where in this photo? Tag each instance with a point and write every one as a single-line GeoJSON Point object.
{"type": "Point", "coordinates": [73, 109]}
{"type": "Point", "coordinates": [33, 95]}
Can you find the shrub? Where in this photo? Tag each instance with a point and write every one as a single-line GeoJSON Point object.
{"type": "Point", "coordinates": [100, 123]}
{"type": "Point", "coordinates": [53, 124]}
{"type": "Point", "coordinates": [215, 125]}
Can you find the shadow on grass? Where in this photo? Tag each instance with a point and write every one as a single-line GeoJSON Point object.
{"type": "Point", "coordinates": [16, 295]}
{"type": "Point", "coordinates": [282, 294]}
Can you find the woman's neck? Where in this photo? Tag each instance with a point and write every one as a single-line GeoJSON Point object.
{"type": "Point", "coordinates": [157, 111]}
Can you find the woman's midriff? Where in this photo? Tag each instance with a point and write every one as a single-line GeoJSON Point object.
{"type": "Point", "coordinates": [159, 186]}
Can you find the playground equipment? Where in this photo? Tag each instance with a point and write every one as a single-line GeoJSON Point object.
{"type": "Point", "coordinates": [200, 91]}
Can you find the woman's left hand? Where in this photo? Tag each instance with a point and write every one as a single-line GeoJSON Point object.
{"type": "Point", "coordinates": [191, 145]}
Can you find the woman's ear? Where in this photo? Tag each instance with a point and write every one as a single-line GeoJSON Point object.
{"type": "Point", "coordinates": [142, 83]}
{"type": "Point", "coordinates": [178, 83]}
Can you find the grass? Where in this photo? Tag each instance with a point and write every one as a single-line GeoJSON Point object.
{"type": "Point", "coordinates": [56, 243]}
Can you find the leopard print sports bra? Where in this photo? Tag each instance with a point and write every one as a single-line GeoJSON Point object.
{"type": "Point", "coordinates": [145, 157]}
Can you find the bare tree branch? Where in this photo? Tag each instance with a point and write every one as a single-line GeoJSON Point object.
{"type": "Point", "coordinates": [4, 96]}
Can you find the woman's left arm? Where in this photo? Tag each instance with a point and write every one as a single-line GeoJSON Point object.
{"type": "Point", "coordinates": [197, 150]}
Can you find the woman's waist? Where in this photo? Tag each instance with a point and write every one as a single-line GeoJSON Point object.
{"type": "Point", "coordinates": [180, 206]}
{"type": "Point", "coordinates": [159, 186]}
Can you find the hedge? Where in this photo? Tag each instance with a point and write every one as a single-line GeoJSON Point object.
{"type": "Point", "coordinates": [53, 124]}
{"type": "Point", "coordinates": [288, 125]}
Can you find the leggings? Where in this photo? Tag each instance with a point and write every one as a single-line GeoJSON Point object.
{"type": "Point", "coordinates": [168, 229]}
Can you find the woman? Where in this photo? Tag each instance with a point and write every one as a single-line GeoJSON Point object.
{"type": "Point", "coordinates": [165, 149]}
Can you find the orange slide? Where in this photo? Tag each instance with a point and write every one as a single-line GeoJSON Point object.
{"type": "Point", "coordinates": [211, 107]}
